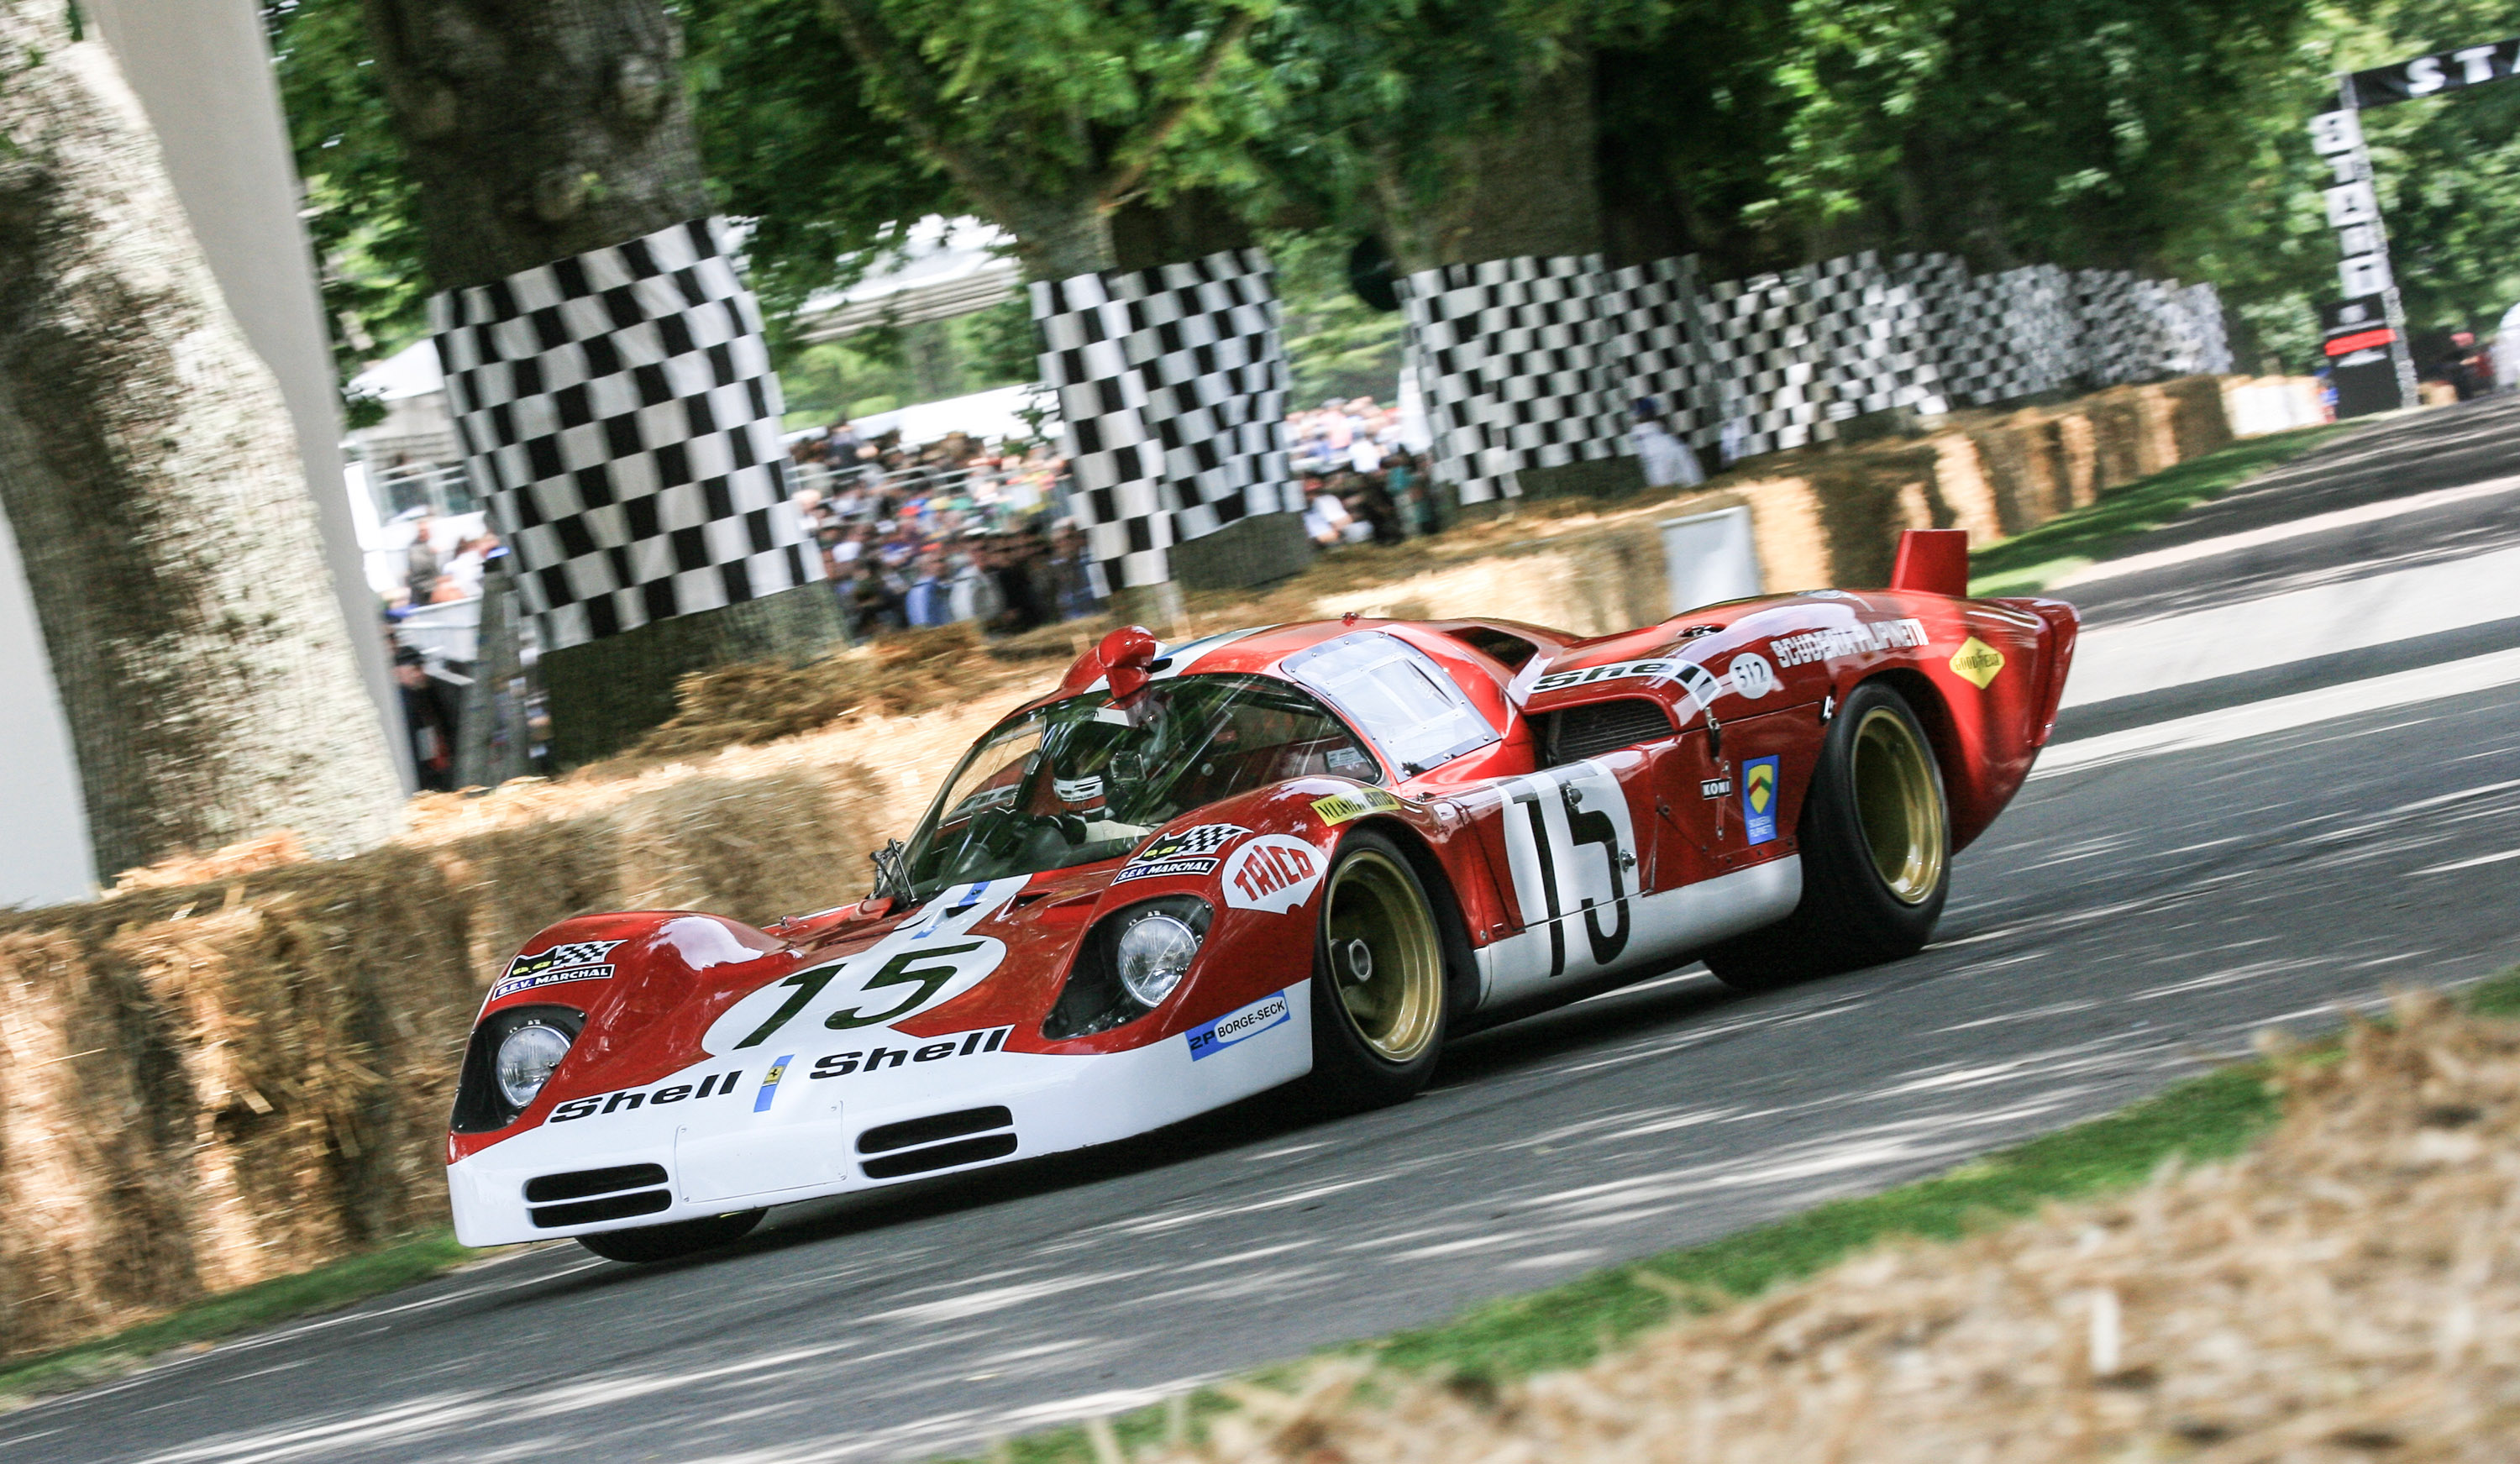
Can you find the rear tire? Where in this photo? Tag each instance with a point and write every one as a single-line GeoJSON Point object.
{"type": "Point", "coordinates": [1378, 988]}
{"type": "Point", "coordinates": [672, 1241]}
{"type": "Point", "coordinates": [1875, 842]}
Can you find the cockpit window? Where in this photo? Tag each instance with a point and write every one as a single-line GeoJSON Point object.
{"type": "Point", "coordinates": [1080, 780]}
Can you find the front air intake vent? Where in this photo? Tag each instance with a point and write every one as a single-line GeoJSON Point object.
{"type": "Point", "coordinates": [884, 1137]}
{"type": "Point", "coordinates": [546, 1188]}
{"type": "Point", "coordinates": [610, 1206]}
{"type": "Point", "coordinates": [1570, 734]}
{"type": "Point", "coordinates": [941, 1157]}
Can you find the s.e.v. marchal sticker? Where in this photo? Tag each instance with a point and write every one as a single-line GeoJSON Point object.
{"type": "Point", "coordinates": [571, 960]}
{"type": "Point", "coordinates": [1184, 851]}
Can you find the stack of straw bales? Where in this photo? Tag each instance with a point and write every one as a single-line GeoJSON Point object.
{"type": "Point", "coordinates": [2350, 1290]}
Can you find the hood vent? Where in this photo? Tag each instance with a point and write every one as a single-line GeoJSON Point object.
{"type": "Point", "coordinates": [916, 1146]}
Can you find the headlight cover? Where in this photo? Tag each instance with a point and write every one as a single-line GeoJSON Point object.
{"type": "Point", "coordinates": [526, 1062]}
{"type": "Point", "coordinates": [1129, 963]}
{"type": "Point", "coordinates": [500, 1081]}
{"type": "Point", "coordinates": [1154, 952]}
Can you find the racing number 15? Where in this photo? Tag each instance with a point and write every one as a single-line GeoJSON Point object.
{"type": "Point", "coordinates": [902, 970]}
{"type": "Point", "coordinates": [1585, 828]}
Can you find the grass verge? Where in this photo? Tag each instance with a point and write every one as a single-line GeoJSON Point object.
{"type": "Point", "coordinates": [2204, 1118]}
{"type": "Point", "coordinates": [2026, 562]}
{"type": "Point", "coordinates": [326, 1288]}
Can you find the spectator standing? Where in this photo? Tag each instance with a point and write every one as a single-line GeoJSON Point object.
{"type": "Point", "coordinates": [429, 712]}
{"type": "Point", "coordinates": [1071, 575]}
{"type": "Point", "coordinates": [1667, 461]}
{"type": "Point", "coordinates": [930, 601]}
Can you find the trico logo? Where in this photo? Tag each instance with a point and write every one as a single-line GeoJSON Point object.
{"type": "Point", "coordinates": [713, 1085]}
{"type": "Point", "coordinates": [1236, 1026]}
{"type": "Point", "coordinates": [1274, 873]}
{"type": "Point", "coordinates": [973, 1044]}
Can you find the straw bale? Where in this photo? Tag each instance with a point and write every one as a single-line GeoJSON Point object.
{"type": "Point", "coordinates": [2349, 1289]}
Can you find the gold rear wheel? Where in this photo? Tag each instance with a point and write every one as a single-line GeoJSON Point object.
{"type": "Point", "coordinates": [1899, 804]}
{"type": "Point", "coordinates": [1385, 960]}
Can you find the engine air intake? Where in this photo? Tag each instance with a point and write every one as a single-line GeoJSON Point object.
{"type": "Point", "coordinates": [544, 1189]}
{"type": "Point", "coordinates": [941, 1157]}
{"type": "Point", "coordinates": [1570, 734]}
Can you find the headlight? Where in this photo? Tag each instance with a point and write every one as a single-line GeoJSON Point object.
{"type": "Point", "coordinates": [526, 1062]}
{"type": "Point", "coordinates": [1154, 951]}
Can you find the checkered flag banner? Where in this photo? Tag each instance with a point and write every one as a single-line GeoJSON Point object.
{"type": "Point", "coordinates": [1519, 353]}
{"type": "Point", "coordinates": [1172, 382]}
{"type": "Point", "coordinates": [618, 411]}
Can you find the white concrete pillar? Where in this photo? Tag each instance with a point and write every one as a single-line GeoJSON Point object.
{"type": "Point", "coordinates": [202, 70]}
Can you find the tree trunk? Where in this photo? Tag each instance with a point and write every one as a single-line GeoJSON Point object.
{"type": "Point", "coordinates": [540, 131]}
{"type": "Point", "coordinates": [149, 467]}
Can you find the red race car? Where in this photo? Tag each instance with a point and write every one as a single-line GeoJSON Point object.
{"type": "Point", "coordinates": [1195, 872]}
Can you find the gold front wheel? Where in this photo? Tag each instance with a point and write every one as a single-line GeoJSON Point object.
{"type": "Point", "coordinates": [1383, 956]}
{"type": "Point", "coordinates": [1899, 804]}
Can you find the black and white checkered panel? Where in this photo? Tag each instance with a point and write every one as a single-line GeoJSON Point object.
{"type": "Point", "coordinates": [1917, 297]}
{"type": "Point", "coordinates": [1762, 346]}
{"type": "Point", "coordinates": [1517, 367]}
{"type": "Point", "coordinates": [1172, 384]}
{"type": "Point", "coordinates": [1653, 349]}
{"type": "Point", "coordinates": [618, 412]}
{"type": "Point", "coordinates": [1853, 337]}
{"type": "Point", "coordinates": [2010, 336]}
{"type": "Point", "coordinates": [2200, 344]}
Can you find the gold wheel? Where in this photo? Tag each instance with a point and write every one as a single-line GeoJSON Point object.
{"type": "Point", "coordinates": [1900, 805]}
{"type": "Point", "coordinates": [1384, 958]}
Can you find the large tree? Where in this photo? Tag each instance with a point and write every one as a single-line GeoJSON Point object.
{"type": "Point", "coordinates": [152, 477]}
{"type": "Point", "coordinates": [530, 133]}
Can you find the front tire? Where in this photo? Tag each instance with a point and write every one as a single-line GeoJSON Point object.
{"type": "Point", "coordinates": [1378, 988]}
{"type": "Point", "coordinates": [673, 1240]}
{"type": "Point", "coordinates": [1875, 843]}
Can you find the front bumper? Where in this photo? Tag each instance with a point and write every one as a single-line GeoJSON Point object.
{"type": "Point", "coordinates": [835, 1123]}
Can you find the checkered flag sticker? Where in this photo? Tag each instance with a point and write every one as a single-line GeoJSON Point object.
{"type": "Point", "coordinates": [618, 412]}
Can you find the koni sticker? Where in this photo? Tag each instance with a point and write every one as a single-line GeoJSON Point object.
{"type": "Point", "coordinates": [1339, 807]}
{"type": "Point", "coordinates": [1977, 663]}
{"type": "Point", "coordinates": [1275, 873]}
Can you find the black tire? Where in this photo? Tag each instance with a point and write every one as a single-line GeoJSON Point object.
{"type": "Point", "coordinates": [1375, 1043]}
{"type": "Point", "coordinates": [1875, 843]}
{"type": "Point", "coordinates": [674, 1240]}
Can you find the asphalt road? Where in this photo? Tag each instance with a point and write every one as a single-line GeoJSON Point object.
{"type": "Point", "coordinates": [2126, 922]}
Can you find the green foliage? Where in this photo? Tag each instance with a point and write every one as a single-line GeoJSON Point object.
{"type": "Point", "coordinates": [359, 195]}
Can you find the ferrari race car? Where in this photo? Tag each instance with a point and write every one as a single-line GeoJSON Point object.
{"type": "Point", "coordinates": [1307, 851]}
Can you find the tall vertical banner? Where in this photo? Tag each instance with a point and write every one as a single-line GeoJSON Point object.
{"type": "Point", "coordinates": [1172, 385]}
{"type": "Point", "coordinates": [618, 411]}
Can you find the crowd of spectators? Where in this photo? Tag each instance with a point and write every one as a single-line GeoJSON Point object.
{"type": "Point", "coordinates": [1359, 483]}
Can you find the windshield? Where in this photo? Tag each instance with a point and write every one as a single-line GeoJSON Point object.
{"type": "Point", "coordinates": [1080, 780]}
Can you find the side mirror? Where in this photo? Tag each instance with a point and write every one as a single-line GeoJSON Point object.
{"type": "Point", "coordinates": [1128, 655]}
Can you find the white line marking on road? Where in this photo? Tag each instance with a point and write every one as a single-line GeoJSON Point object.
{"type": "Point", "coordinates": [2283, 713]}
{"type": "Point", "coordinates": [2468, 864]}
{"type": "Point", "coordinates": [2276, 630]}
{"type": "Point", "coordinates": [2300, 528]}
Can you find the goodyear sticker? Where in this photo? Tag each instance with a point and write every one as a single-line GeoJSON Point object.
{"type": "Point", "coordinates": [1758, 798]}
{"type": "Point", "coordinates": [1339, 807]}
{"type": "Point", "coordinates": [1977, 662]}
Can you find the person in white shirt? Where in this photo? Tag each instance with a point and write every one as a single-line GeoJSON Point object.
{"type": "Point", "coordinates": [1667, 461]}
